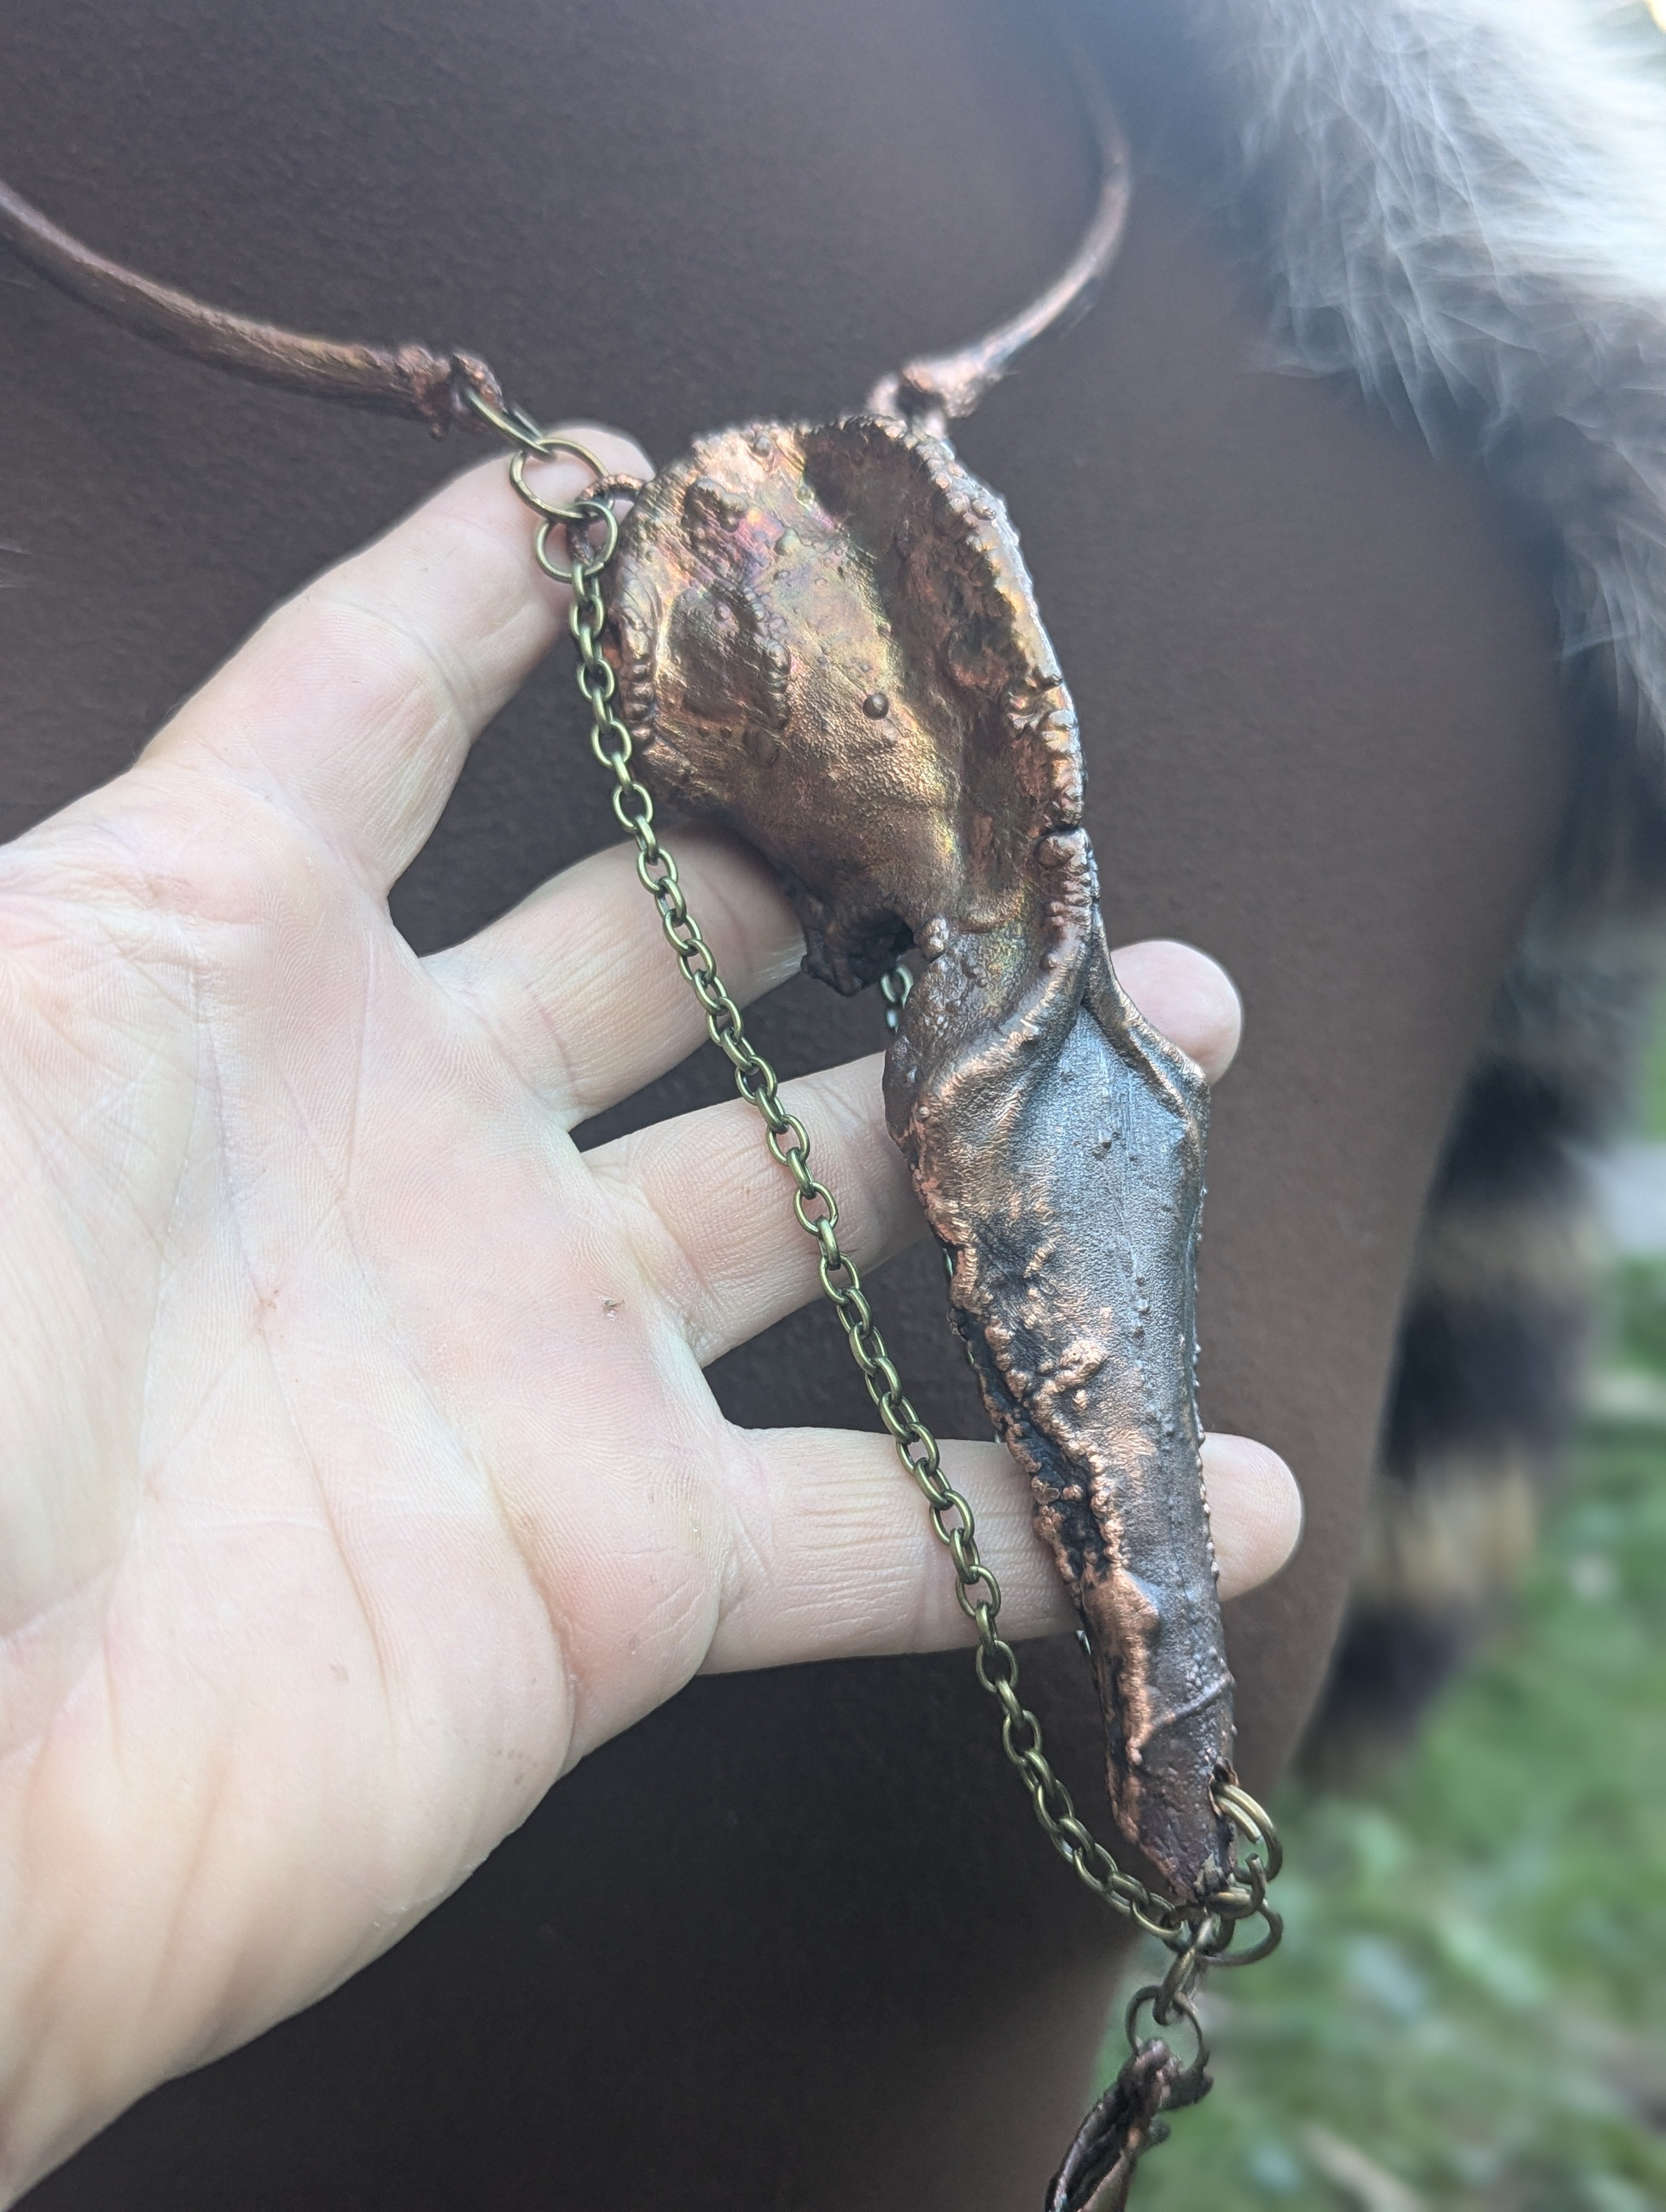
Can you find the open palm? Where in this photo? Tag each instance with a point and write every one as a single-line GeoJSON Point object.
{"type": "Point", "coordinates": [359, 1473]}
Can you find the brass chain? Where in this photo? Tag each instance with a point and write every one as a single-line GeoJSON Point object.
{"type": "Point", "coordinates": [1199, 1935]}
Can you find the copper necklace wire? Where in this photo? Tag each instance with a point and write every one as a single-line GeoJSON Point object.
{"type": "Point", "coordinates": [408, 380]}
{"type": "Point", "coordinates": [938, 389]}
{"type": "Point", "coordinates": [446, 387]}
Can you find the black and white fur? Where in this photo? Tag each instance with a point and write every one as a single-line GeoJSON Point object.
{"type": "Point", "coordinates": [1462, 204]}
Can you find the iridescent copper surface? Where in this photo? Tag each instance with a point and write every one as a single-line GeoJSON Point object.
{"type": "Point", "coordinates": [826, 639]}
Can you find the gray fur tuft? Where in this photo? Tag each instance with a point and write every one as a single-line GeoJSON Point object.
{"type": "Point", "coordinates": [1462, 204]}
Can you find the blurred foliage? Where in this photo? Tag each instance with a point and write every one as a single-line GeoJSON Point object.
{"type": "Point", "coordinates": [1469, 2009]}
{"type": "Point", "coordinates": [1652, 1101]}
{"type": "Point", "coordinates": [1637, 1321]}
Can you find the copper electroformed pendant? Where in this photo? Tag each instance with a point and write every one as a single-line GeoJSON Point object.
{"type": "Point", "coordinates": [827, 641]}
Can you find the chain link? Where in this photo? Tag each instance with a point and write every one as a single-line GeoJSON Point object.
{"type": "Point", "coordinates": [1199, 1934]}
{"type": "Point", "coordinates": [894, 988]}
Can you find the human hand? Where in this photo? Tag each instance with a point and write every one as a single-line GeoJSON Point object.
{"type": "Point", "coordinates": [359, 1473]}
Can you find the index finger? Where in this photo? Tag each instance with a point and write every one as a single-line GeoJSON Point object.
{"type": "Point", "coordinates": [354, 705]}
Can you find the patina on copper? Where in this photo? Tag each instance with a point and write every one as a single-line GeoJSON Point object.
{"type": "Point", "coordinates": [1098, 2168]}
{"type": "Point", "coordinates": [404, 380]}
{"type": "Point", "coordinates": [826, 639]}
{"type": "Point", "coordinates": [443, 387]}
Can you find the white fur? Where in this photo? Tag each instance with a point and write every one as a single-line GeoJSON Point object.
{"type": "Point", "coordinates": [1463, 203]}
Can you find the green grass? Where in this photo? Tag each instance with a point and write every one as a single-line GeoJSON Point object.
{"type": "Point", "coordinates": [1652, 1101]}
{"type": "Point", "coordinates": [1472, 1990]}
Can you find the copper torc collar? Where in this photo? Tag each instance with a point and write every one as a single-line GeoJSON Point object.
{"type": "Point", "coordinates": [433, 384]}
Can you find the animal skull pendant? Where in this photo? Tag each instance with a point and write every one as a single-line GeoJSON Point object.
{"type": "Point", "coordinates": [825, 639]}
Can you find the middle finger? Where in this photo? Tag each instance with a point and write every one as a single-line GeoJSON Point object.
{"type": "Point", "coordinates": [580, 988]}
{"type": "Point", "coordinates": [586, 1000]}
{"type": "Point", "coordinates": [714, 1208]}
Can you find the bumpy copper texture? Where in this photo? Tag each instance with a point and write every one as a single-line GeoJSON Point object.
{"type": "Point", "coordinates": [826, 639]}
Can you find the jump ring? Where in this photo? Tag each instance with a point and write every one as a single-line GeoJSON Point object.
{"type": "Point", "coordinates": [1253, 1825]}
{"type": "Point", "coordinates": [588, 513]}
{"type": "Point", "coordinates": [546, 450]}
{"type": "Point", "coordinates": [1177, 2003]}
{"type": "Point", "coordinates": [1226, 1956]}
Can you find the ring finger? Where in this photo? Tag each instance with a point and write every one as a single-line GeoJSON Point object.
{"type": "Point", "coordinates": [714, 1208]}
{"type": "Point", "coordinates": [587, 1003]}
{"type": "Point", "coordinates": [582, 994]}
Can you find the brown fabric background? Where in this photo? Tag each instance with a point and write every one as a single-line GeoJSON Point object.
{"type": "Point", "coordinates": [793, 1942]}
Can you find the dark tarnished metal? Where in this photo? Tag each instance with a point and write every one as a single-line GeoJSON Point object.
{"type": "Point", "coordinates": [1098, 2168]}
{"type": "Point", "coordinates": [826, 639]}
{"type": "Point", "coordinates": [407, 379]}
{"type": "Point", "coordinates": [446, 387]}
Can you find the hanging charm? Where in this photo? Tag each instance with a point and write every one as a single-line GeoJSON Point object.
{"type": "Point", "coordinates": [826, 639]}
{"type": "Point", "coordinates": [1099, 2169]}
{"type": "Point", "coordinates": [1200, 1928]}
